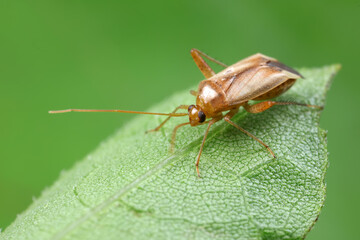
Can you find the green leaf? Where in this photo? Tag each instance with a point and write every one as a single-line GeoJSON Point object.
{"type": "Point", "coordinates": [131, 188]}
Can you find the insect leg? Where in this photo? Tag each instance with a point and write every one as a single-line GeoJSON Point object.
{"type": "Point", "coordinates": [260, 107]}
{"type": "Point", "coordinates": [167, 119]}
{"type": "Point", "coordinates": [173, 136]}
{"type": "Point", "coordinates": [202, 65]}
{"type": "Point", "coordinates": [211, 122]}
{"type": "Point", "coordinates": [194, 93]}
{"type": "Point", "coordinates": [227, 118]}
{"type": "Point", "coordinates": [210, 58]}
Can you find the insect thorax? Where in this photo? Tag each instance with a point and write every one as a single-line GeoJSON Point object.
{"type": "Point", "coordinates": [211, 98]}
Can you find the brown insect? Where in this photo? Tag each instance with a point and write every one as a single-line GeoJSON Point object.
{"type": "Point", "coordinates": [257, 77]}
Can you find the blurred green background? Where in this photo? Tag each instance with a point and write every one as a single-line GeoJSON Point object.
{"type": "Point", "coordinates": [130, 55]}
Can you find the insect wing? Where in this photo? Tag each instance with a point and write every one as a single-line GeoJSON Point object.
{"type": "Point", "coordinates": [252, 77]}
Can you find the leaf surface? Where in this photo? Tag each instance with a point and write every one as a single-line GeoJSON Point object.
{"type": "Point", "coordinates": [130, 187]}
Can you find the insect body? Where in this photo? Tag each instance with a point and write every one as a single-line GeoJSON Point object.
{"type": "Point", "coordinates": [257, 77]}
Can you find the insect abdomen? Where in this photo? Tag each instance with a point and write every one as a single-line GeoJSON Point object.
{"type": "Point", "coordinates": [277, 91]}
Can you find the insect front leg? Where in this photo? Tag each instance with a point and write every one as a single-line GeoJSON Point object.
{"type": "Point", "coordinates": [194, 93]}
{"type": "Point", "coordinates": [260, 107]}
{"type": "Point", "coordinates": [167, 119]}
{"type": "Point", "coordinates": [227, 118]}
{"type": "Point", "coordinates": [173, 136]}
{"type": "Point", "coordinates": [211, 122]}
{"type": "Point", "coordinates": [202, 65]}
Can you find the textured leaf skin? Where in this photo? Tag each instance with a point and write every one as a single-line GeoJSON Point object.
{"type": "Point", "coordinates": [131, 188]}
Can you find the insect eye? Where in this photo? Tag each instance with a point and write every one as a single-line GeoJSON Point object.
{"type": "Point", "coordinates": [202, 116]}
{"type": "Point", "coordinates": [191, 107]}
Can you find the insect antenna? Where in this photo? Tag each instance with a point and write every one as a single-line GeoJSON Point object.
{"type": "Point", "coordinates": [120, 111]}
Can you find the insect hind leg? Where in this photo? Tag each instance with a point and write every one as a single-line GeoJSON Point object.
{"type": "Point", "coordinates": [260, 107]}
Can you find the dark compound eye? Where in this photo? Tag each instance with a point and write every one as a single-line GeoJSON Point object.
{"type": "Point", "coordinates": [191, 107]}
{"type": "Point", "coordinates": [202, 116]}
